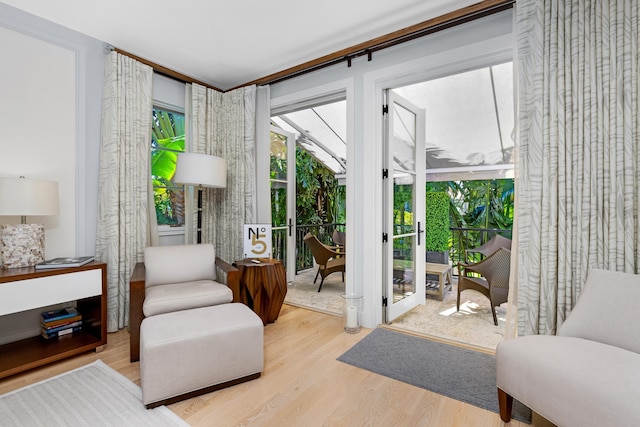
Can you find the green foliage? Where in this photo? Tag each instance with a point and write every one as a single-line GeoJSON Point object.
{"type": "Point", "coordinates": [278, 169]}
{"type": "Point", "coordinates": [163, 159]}
{"type": "Point", "coordinates": [437, 221]}
{"type": "Point", "coordinates": [338, 204]}
{"type": "Point", "coordinates": [319, 198]}
{"type": "Point", "coordinates": [476, 204]}
{"type": "Point", "coordinates": [490, 203]}
{"type": "Point", "coordinates": [167, 140]}
{"type": "Point", "coordinates": [318, 195]}
{"type": "Point", "coordinates": [403, 208]}
{"type": "Point", "coordinates": [278, 205]}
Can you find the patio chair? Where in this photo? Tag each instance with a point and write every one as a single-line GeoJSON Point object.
{"type": "Point", "coordinates": [494, 284]}
{"type": "Point", "coordinates": [328, 260]}
{"type": "Point", "coordinates": [489, 247]}
{"type": "Point", "coordinates": [339, 239]}
{"type": "Point", "coordinates": [492, 245]}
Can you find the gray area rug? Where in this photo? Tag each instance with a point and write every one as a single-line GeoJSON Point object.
{"type": "Point", "coordinates": [92, 395]}
{"type": "Point", "coordinates": [459, 373]}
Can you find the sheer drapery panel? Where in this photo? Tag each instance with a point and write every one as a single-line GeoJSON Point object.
{"type": "Point", "coordinates": [123, 190]}
{"type": "Point", "coordinates": [579, 126]}
{"type": "Point", "coordinates": [223, 125]}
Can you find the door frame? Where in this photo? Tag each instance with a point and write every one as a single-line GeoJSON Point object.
{"type": "Point", "coordinates": [396, 309]}
{"type": "Point", "coordinates": [290, 262]}
{"type": "Point", "coordinates": [375, 82]}
{"type": "Point", "coordinates": [340, 89]}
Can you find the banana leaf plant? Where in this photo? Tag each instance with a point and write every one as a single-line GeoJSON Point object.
{"type": "Point", "coordinates": [167, 140]}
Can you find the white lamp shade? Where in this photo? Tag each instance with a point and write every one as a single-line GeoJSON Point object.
{"type": "Point", "coordinates": [201, 169]}
{"type": "Point", "coordinates": [28, 197]}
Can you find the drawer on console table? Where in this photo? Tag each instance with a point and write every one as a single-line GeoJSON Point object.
{"type": "Point", "coordinates": [27, 294]}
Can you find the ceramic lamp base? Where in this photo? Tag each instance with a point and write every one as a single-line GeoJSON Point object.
{"type": "Point", "coordinates": [21, 245]}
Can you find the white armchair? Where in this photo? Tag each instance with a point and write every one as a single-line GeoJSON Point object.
{"type": "Point", "coordinates": [175, 278]}
{"type": "Point", "coordinates": [589, 373]}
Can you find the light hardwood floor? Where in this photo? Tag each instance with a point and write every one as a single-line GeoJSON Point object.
{"type": "Point", "coordinates": [302, 385]}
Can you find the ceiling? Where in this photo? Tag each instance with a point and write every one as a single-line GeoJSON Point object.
{"type": "Point", "coordinates": [232, 42]}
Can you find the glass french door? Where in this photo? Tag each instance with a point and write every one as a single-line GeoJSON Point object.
{"type": "Point", "coordinates": [283, 198]}
{"type": "Point", "coordinates": [404, 190]}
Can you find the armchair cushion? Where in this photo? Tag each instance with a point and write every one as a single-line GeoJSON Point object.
{"type": "Point", "coordinates": [171, 297]}
{"type": "Point", "coordinates": [603, 311]}
{"type": "Point", "coordinates": [179, 263]}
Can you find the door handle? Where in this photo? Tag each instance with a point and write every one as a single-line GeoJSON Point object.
{"type": "Point", "coordinates": [290, 227]}
{"type": "Point", "coordinates": [420, 231]}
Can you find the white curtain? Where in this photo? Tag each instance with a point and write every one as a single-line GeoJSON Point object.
{"type": "Point", "coordinates": [123, 191]}
{"type": "Point", "coordinates": [263, 154]}
{"type": "Point", "coordinates": [579, 168]}
{"type": "Point", "coordinates": [223, 125]}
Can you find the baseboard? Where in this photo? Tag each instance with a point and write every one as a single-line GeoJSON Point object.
{"type": "Point", "coordinates": [201, 391]}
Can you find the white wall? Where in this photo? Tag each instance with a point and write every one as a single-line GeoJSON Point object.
{"type": "Point", "coordinates": [39, 122]}
{"type": "Point", "coordinates": [50, 103]}
{"type": "Point", "coordinates": [411, 62]}
{"type": "Point", "coordinates": [50, 106]}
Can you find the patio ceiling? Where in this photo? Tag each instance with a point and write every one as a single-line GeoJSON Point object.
{"type": "Point", "coordinates": [469, 125]}
{"type": "Point", "coordinates": [322, 131]}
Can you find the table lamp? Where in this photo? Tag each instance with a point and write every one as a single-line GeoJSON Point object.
{"type": "Point", "coordinates": [200, 170]}
{"type": "Point", "coordinates": [22, 245]}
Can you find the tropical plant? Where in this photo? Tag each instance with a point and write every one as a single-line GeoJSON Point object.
{"type": "Point", "coordinates": [278, 171]}
{"type": "Point", "coordinates": [318, 198]}
{"type": "Point", "coordinates": [167, 140]}
{"type": "Point", "coordinates": [437, 222]}
{"type": "Point", "coordinates": [403, 218]}
{"type": "Point", "coordinates": [489, 203]}
{"type": "Point", "coordinates": [486, 204]}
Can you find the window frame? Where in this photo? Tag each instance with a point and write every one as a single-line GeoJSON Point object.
{"type": "Point", "coordinates": [166, 229]}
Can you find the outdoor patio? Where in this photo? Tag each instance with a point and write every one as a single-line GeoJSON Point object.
{"type": "Point", "coordinates": [472, 325]}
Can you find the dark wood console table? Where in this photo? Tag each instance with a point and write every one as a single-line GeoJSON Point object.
{"type": "Point", "coordinates": [262, 287]}
{"type": "Point", "coordinates": [25, 289]}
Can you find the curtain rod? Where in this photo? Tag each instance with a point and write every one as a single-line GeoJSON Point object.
{"type": "Point", "coordinates": [166, 71]}
{"type": "Point", "coordinates": [451, 19]}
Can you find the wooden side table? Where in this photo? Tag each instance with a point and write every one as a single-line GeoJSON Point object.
{"type": "Point", "coordinates": [262, 287]}
{"type": "Point", "coordinates": [444, 278]}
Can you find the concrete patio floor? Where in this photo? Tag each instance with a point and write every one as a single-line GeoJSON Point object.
{"type": "Point", "coordinates": [472, 325]}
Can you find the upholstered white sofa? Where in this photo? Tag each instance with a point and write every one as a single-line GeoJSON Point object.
{"type": "Point", "coordinates": [589, 373]}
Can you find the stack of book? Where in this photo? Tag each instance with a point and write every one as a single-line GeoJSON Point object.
{"type": "Point", "coordinates": [61, 322]}
{"type": "Point", "coordinates": [64, 262]}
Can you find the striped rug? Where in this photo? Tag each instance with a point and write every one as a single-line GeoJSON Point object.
{"type": "Point", "coordinates": [92, 395]}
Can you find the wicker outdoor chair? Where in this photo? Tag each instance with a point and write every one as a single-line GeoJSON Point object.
{"type": "Point", "coordinates": [494, 283]}
{"type": "Point", "coordinates": [492, 245]}
{"type": "Point", "coordinates": [328, 260]}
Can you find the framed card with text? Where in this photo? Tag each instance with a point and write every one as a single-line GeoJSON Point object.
{"type": "Point", "coordinates": [257, 241]}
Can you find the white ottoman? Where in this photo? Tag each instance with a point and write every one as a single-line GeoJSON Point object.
{"type": "Point", "coordinates": [191, 352]}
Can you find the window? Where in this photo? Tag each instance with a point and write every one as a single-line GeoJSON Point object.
{"type": "Point", "coordinates": [167, 140]}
